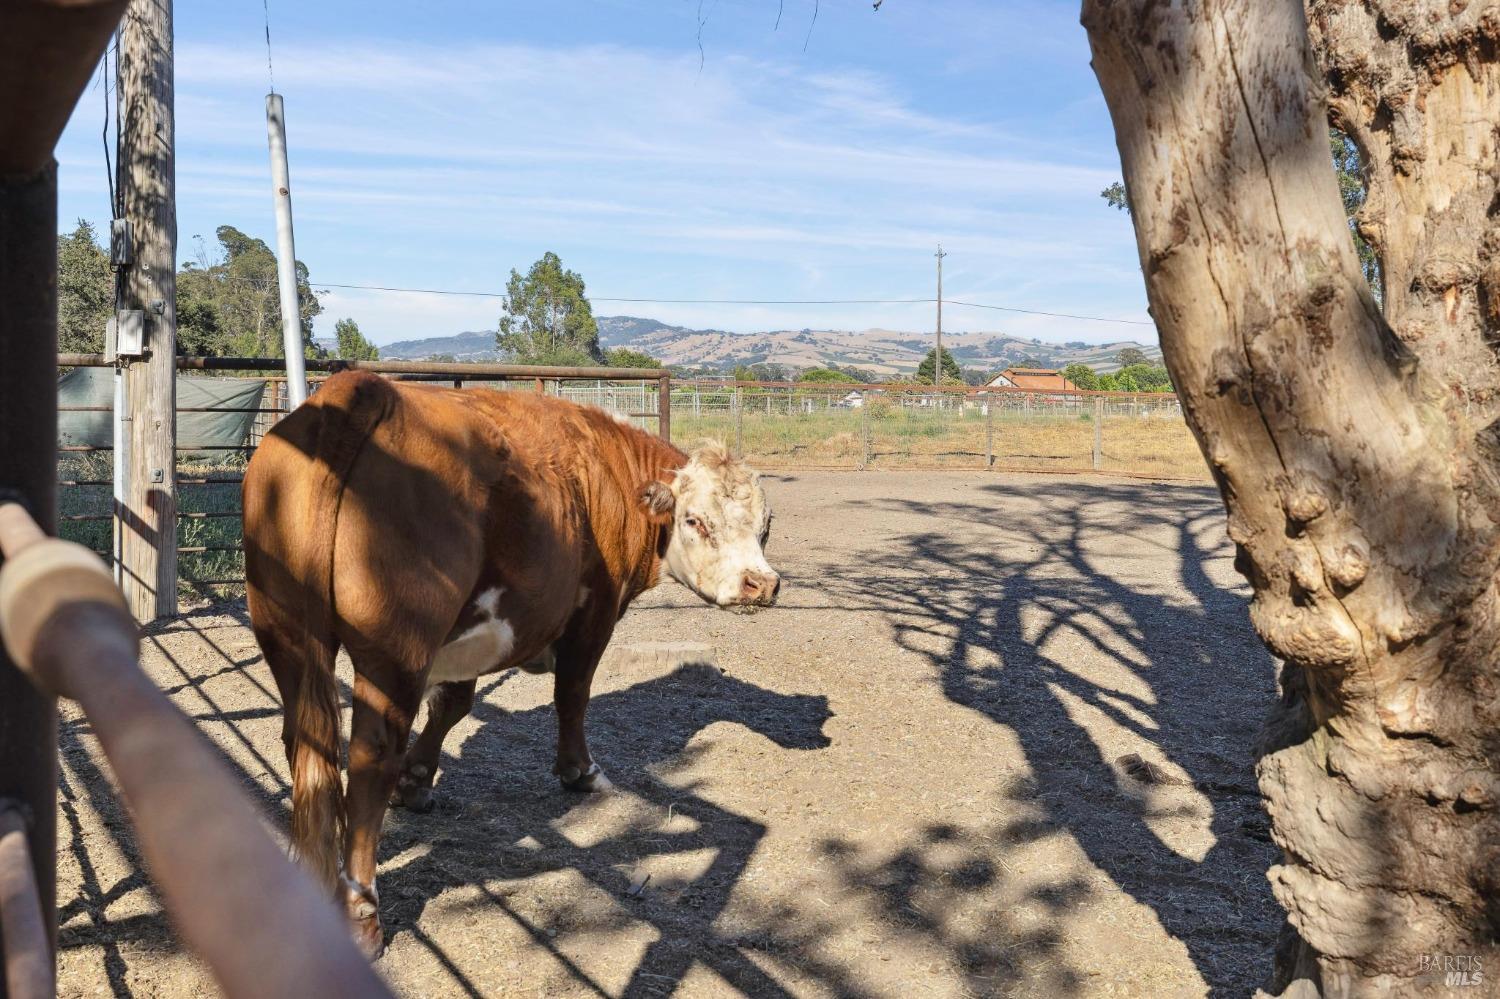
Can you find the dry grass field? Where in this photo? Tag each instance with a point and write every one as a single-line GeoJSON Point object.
{"type": "Point", "coordinates": [904, 781]}
{"type": "Point", "coordinates": [1156, 446]}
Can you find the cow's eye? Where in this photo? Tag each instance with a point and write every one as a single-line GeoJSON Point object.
{"type": "Point", "coordinates": [690, 521]}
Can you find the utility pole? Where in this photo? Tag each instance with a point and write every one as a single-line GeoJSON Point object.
{"type": "Point", "coordinates": [286, 253]}
{"type": "Point", "coordinates": [937, 359]}
{"type": "Point", "coordinates": [147, 182]}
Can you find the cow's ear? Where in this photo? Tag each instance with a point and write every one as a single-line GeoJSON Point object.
{"type": "Point", "coordinates": [658, 502]}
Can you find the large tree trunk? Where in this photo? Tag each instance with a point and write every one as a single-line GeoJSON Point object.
{"type": "Point", "coordinates": [1357, 459]}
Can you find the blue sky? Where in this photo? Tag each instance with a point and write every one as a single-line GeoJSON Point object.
{"type": "Point", "coordinates": [440, 145]}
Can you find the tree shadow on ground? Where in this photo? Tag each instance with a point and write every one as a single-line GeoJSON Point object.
{"type": "Point", "coordinates": [495, 787]}
{"type": "Point", "coordinates": [998, 610]}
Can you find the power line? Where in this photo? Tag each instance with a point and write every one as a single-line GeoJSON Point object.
{"type": "Point", "coordinates": [270, 73]}
{"type": "Point", "coordinates": [746, 301]}
{"type": "Point", "coordinates": [1054, 315]}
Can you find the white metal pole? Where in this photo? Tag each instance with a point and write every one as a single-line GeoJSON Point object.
{"type": "Point", "coordinates": [286, 254]}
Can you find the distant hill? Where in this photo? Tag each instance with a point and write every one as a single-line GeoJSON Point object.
{"type": "Point", "coordinates": [880, 352]}
{"type": "Point", "coordinates": [476, 346]}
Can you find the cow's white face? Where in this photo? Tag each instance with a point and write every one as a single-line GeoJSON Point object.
{"type": "Point", "coordinates": [721, 524]}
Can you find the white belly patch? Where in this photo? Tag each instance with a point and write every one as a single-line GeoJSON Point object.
{"type": "Point", "coordinates": [479, 650]}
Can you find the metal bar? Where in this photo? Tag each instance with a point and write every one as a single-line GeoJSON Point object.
{"type": "Point", "coordinates": [209, 515]}
{"type": "Point", "coordinates": [286, 251]}
{"type": "Point", "coordinates": [263, 926]}
{"type": "Point", "coordinates": [209, 481]}
{"type": "Point", "coordinates": [29, 969]}
{"type": "Point", "coordinates": [232, 581]}
{"type": "Point", "coordinates": [85, 516]}
{"type": "Point", "coordinates": [201, 549]}
{"type": "Point", "coordinates": [446, 369]}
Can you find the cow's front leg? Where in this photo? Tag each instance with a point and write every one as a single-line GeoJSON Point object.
{"type": "Point", "coordinates": [578, 653]}
{"type": "Point", "coordinates": [380, 727]}
{"type": "Point", "coordinates": [447, 705]}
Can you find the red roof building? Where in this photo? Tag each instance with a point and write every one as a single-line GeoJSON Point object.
{"type": "Point", "coordinates": [1042, 379]}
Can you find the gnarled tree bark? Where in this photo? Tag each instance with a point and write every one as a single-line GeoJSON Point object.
{"type": "Point", "coordinates": [1356, 453]}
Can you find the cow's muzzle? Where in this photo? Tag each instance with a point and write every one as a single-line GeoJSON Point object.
{"type": "Point", "coordinates": [759, 589]}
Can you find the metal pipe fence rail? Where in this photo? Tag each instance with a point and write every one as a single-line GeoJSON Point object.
{"type": "Point", "coordinates": [208, 475]}
{"type": "Point", "coordinates": [260, 923]}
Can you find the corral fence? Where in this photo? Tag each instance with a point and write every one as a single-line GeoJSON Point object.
{"type": "Point", "coordinates": [848, 426]}
{"type": "Point", "coordinates": [227, 405]}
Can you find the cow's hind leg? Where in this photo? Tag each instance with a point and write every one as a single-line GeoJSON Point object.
{"type": "Point", "coordinates": [387, 695]}
{"type": "Point", "coordinates": [578, 654]}
{"type": "Point", "coordinates": [447, 704]}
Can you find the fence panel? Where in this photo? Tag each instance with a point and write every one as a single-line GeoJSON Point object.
{"type": "Point", "coordinates": [1146, 435]}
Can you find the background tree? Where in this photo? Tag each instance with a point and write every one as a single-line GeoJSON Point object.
{"type": "Point", "coordinates": [229, 303]}
{"type": "Point", "coordinates": [952, 373]}
{"type": "Point", "coordinates": [1143, 378]}
{"type": "Point", "coordinates": [1114, 196]}
{"type": "Point", "coordinates": [1131, 355]}
{"type": "Point", "coordinates": [1350, 173]}
{"type": "Point", "coordinates": [85, 291]}
{"type": "Point", "coordinates": [1082, 376]}
{"type": "Point", "coordinates": [1355, 451]}
{"type": "Point", "coordinates": [625, 357]}
{"type": "Point", "coordinates": [547, 319]}
{"type": "Point", "coordinates": [825, 375]}
{"type": "Point", "coordinates": [352, 344]}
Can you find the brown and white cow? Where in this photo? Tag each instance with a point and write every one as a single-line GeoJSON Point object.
{"type": "Point", "coordinates": [439, 535]}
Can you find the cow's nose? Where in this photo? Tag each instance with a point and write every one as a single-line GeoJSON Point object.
{"type": "Point", "coordinates": [760, 588]}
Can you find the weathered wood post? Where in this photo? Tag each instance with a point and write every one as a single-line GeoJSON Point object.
{"type": "Point", "coordinates": [989, 431]}
{"type": "Point", "coordinates": [147, 184]}
{"type": "Point", "coordinates": [864, 434]}
{"type": "Point", "coordinates": [739, 423]}
{"type": "Point", "coordinates": [1098, 432]}
{"type": "Point", "coordinates": [664, 407]}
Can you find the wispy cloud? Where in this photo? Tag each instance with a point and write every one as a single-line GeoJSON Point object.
{"type": "Point", "coordinates": [446, 164]}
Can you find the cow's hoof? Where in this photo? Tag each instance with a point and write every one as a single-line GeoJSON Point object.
{"type": "Point", "coordinates": [413, 791]}
{"type": "Point", "coordinates": [362, 906]}
{"type": "Point", "coordinates": [369, 937]}
{"type": "Point", "coordinates": [587, 781]}
{"type": "Point", "coordinates": [418, 799]}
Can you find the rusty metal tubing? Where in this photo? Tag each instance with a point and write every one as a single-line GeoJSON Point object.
{"type": "Point", "coordinates": [477, 372]}
{"type": "Point", "coordinates": [261, 924]}
{"type": "Point", "coordinates": [29, 972]}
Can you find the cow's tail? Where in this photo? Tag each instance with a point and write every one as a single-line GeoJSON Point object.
{"type": "Point", "coordinates": [348, 408]}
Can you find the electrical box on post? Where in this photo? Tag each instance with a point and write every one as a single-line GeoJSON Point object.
{"type": "Point", "coordinates": [121, 243]}
{"type": "Point", "coordinates": [127, 331]}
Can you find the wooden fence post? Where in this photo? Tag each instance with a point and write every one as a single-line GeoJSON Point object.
{"type": "Point", "coordinates": [664, 407]}
{"type": "Point", "coordinates": [739, 423]}
{"type": "Point", "coordinates": [864, 435]}
{"type": "Point", "coordinates": [989, 432]}
{"type": "Point", "coordinates": [1098, 432]}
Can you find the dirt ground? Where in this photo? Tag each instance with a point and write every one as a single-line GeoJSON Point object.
{"type": "Point", "coordinates": [902, 781]}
